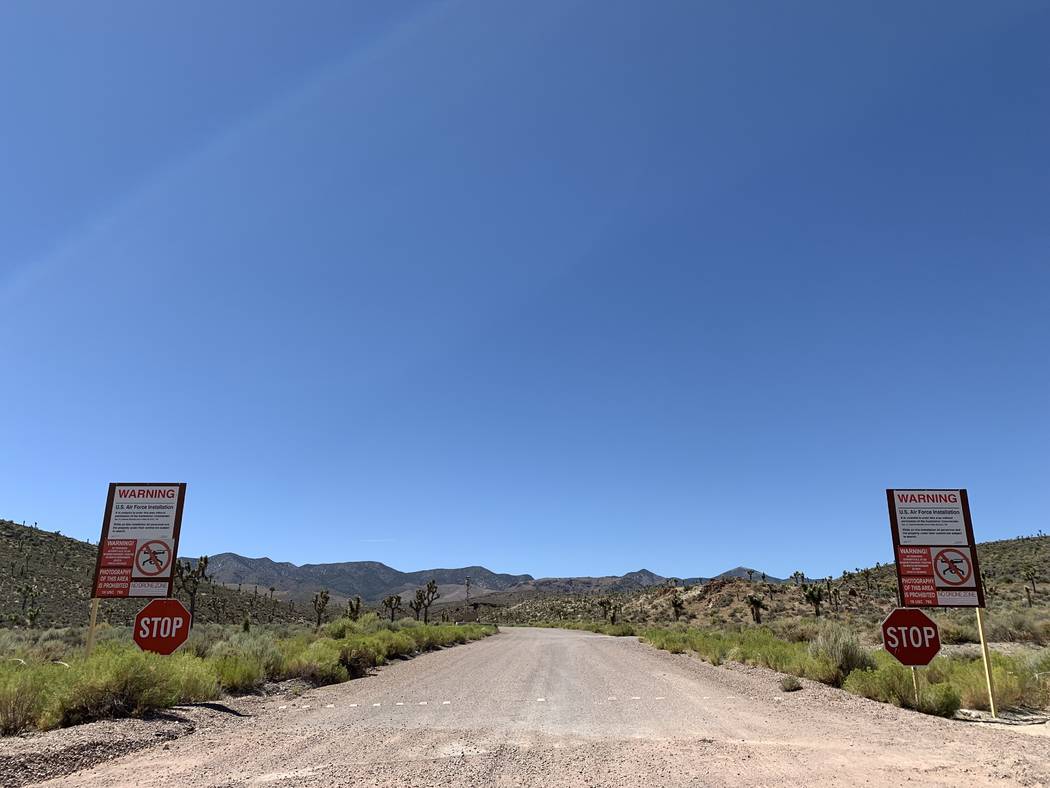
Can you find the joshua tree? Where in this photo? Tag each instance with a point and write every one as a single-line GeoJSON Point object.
{"type": "Point", "coordinates": [393, 604]}
{"type": "Point", "coordinates": [273, 604]}
{"type": "Point", "coordinates": [750, 574]}
{"type": "Point", "coordinates": [867, 578]}
{"type": "Point", "coordinates": [189, 579]}
{"type": "Point", "coordinates": [428, 599]}
{"type": "Point", "coordinates": [763, 577]}
{"type": "Point", "coordinates": [757, 606]}
{"type": "Point", "coordinates": [353, 608]}
{"type": "Point", "coordinates": [614, 611]}
{"type": "Point", "coordinates": [416, 605]}
{"type": "Point", "coordinates": [798, 577]}
{"type": "Point", "coordinates": [1029, 574]}
{"type": "Point", "coordinates": [835, 598]}
{"type": "Point", "coordinates": [605, 604]}
{"type": "Point", "coordinates": [677, 606]}
{"type": "Point", "coordinates": [1028, 594]}
{"type": "Point", "coordinates": [320, 603]}
{"type": "Point", "coordinates": [814, 595]}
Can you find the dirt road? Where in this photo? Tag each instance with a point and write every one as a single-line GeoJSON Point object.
{"type": "Point", "coordinates": [540, 707]}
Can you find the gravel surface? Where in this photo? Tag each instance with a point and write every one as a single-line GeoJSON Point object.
{"type": "Point", "coordinates": [542, 707]}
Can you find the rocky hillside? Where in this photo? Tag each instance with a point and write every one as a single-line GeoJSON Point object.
{"type": "Point", "coordinates": [45, 581]}
{"type": "Point", "coordinates": [1017, 584]}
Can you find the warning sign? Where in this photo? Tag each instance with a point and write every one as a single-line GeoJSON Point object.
{"type": "Point", "coordinates": [140, 540]}
{"type": "Point", "coordinates": [935, 549]}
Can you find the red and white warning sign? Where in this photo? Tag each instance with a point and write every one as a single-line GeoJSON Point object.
{"type": "Point", "coordinates": [935, 549]}
{"type": "Point", "coordinates": [140, 540]}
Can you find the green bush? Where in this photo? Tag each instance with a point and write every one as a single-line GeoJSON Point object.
{"type": "Point", "coordinates": [125, 682]}
{"type": "Point", "coordinates": [22, 696]}
{"type": "Point", "coordinates": [257, 646]}
{"type": "Point", "coordinates": [838, 648]}
{"type": "Point", "coordinates": [891, 682]}
{"type": "Point", "coordinates": [956, 632]}
{"type": "Point", "coordinates": [1013, 680]}
{"type": "Point", "coordinates": [239, 673]}
{"type": "Point", "coordinates": [119, 680]}
{"type": "Point", "coordinates": [939, 699]}
{"type": "Point", "coordinates": [319, 664]}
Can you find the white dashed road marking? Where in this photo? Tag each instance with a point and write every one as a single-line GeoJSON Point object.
{"type": "Point", "coordinates": [541, 700]}
{"type": "Point", "coordinates": [422, 703]}
{"type": "Point", "coordinates": [399, 703]}
{"type": "Point", "coordinates": [635, 697]}
{"type": "Point", "coordinates": [377, 704]}
{"type": "Point", "coordinates": [353, 705]}
{"type": "Point", "coordinates": [446, 702]}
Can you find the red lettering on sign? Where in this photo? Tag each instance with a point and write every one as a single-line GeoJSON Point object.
{"type": "Point", "coordinates": [938, 497]}
{"type": "Point", "coordinates": [144, 493]}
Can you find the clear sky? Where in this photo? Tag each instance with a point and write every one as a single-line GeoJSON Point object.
{"type": "Point", "coordinates": [553, 287]}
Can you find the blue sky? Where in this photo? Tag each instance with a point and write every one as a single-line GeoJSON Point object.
{"type": "Point", "coordinates": [557, 287]}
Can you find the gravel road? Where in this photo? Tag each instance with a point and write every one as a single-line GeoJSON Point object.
{"type": "Point", "coordinates": [544, 707]}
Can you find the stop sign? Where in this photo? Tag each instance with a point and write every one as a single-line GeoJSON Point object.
{"type": "Point", "coordinates": [162, 626]}
{"type": "Point", "coordinates": [911, 636]}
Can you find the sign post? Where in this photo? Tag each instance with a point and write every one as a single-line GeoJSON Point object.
{"type": "Point", "coordinates": [987, 661]}
{"type": "Point", "coordinates": [936, 555]}
{"type": "Point", "coordinates": [138, 545]}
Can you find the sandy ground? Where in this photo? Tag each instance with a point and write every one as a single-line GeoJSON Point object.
{"type": "Point", "coordinates": [542, 707]}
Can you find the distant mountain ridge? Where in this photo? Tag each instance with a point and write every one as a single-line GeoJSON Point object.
{"type": "Point", "coordinates": [372, 580]}
{"type": "Point", "coordinates": [756, 574]}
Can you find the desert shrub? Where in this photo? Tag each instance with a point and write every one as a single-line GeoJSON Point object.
{"type": "Point", "coordinates": [790, 684]}
{"type": "Point", "coordinates": [318, 664]}
{"type": "Point", "coordinates": [956, 632]}
{"type": "Point", "coordinates": [939, 699]}
{"type": "Point", "coordinates": [887, 681]}
{"type": "Point", "coordinates": [890, 682]}
{"type": "Point", "coordinates": [355, 660]}
{"type": "Point", "coordinates": [1013, 681]}
{"type": "Point", "coordinates": [239, 673]}
{"type": "Point", "coordinates": [618, 630]}
{"type": "Point", "coordinates": [121, 681]}
{"type": "Point", "coordinates": [392, 644]}
{"type": "Point", "coordinates": [23, 690]}
{"type": "Point", "coordinates": [1017, 626]}
{"type": "Point", "coordinates": [839, 648]}
{"type": "Point", "coordinates": [674, 642]}
{"type": "Point", "coordinates": [797, 630]}
{"type": "Point", "coordinates": [256, 646]}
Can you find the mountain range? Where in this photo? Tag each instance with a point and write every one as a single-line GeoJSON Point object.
{"type": "Point", "coordinates": [372, 580]}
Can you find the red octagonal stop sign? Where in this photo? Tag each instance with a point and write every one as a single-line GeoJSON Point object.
{"type": "Point", "coordinates": [911, 636]}
{"type": "Point", "coordinates": [162, 626]}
